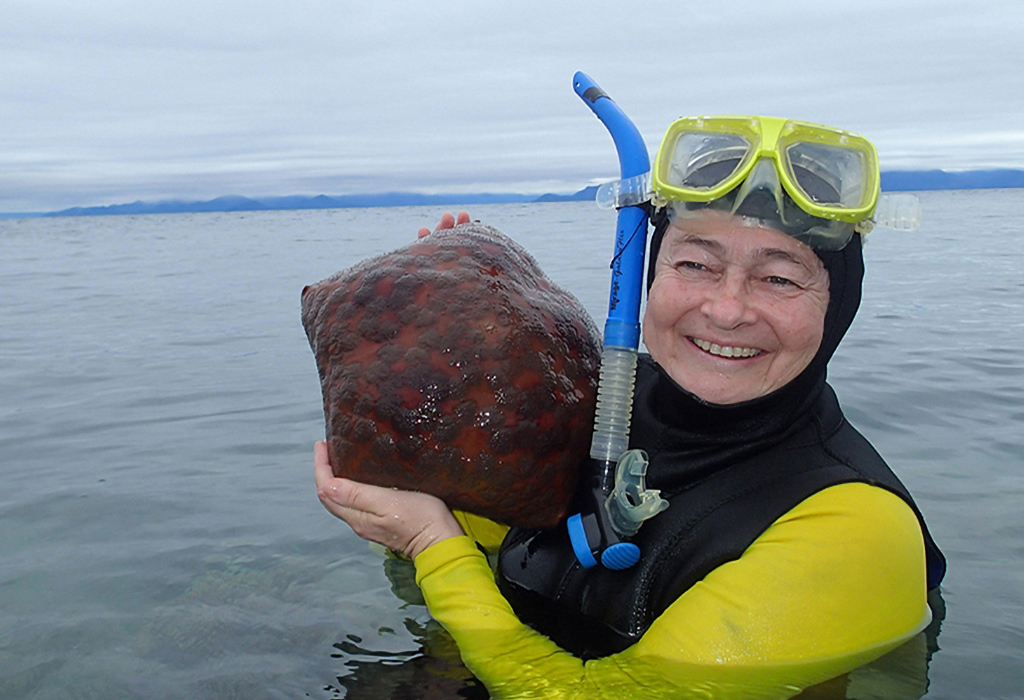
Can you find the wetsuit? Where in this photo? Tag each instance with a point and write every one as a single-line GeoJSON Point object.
{"type": "Point", "coordinates": [834, 583]}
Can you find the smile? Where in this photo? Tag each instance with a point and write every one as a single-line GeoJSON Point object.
{"type": "Point", "coordinates": [724, 350]}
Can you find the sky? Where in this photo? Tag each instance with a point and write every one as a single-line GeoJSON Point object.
{"type": "Point", "coordinates": [117, 101]}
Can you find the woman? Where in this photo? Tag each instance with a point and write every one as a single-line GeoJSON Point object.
{"type": "Point", "coordinates": [789, 553]}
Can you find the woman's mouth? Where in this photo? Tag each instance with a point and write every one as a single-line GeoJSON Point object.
{"type": "Point", "coordinates": [729, 351]}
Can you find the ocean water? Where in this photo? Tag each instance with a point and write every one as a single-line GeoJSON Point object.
{"type": "Point", "coordinates": [160, 536]}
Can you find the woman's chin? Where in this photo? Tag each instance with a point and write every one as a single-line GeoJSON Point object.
{"type": "Point", "coordinates": [723, 397]}
{"type": "Point", "coordinates": [719, 386]}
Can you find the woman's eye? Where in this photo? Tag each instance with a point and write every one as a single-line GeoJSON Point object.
{"type": "Point", "coordinates": [691, 265]}
{"type": "Point", "coordinates": [780, 281]}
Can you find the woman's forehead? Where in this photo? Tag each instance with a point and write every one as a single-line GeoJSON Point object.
{"type": "Point", "coordinates": [735, 236]}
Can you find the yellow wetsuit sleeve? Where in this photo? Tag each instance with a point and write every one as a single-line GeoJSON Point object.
{"type": "Point", "coordinates": [487, 533]}
{"type": "Point", "coordinates": [835, 582]}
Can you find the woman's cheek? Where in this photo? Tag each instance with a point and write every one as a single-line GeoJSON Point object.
{"type": "Point", "coordinates": [659, 321]}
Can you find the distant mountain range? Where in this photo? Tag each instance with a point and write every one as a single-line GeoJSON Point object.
{"type": "Point", "coordinates": [892, 181]}
{"type": "Point", "coordinates": [918, 180]}
{"type": "Point", "coordinates": [348, 201]}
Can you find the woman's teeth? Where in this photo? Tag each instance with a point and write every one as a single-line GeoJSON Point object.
{"type": "Point", "coordinates": [724, 350]}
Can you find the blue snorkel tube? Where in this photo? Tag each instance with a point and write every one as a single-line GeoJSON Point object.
{"type": "Point", "coordinates": [616, 500]}
{"type": "Point", "coordinates": [622, 329]}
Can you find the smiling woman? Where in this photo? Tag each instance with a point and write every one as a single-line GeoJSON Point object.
{"type": "Point", "coordinates": [789, 552]}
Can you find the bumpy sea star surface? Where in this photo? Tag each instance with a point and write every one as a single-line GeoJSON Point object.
{"type": "Point", "coordinates": [454, 366]}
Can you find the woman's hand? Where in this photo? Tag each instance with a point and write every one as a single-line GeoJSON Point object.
{"type": "Point", "coordinates": [447, 221]}
{"type": "Point", "coordinates": [405, 521]}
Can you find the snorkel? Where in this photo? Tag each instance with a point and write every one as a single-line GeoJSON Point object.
{"type": "Point", "coordinates": [616, 501]}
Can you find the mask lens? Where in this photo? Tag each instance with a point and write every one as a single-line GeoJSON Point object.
{"type": "Point", "coordinates": [829, 175]}
{"type": "Point", "coordinates": [703, 160]}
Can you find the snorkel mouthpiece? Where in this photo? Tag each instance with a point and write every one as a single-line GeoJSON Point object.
{"type": "Point", "coordinates": [631, 502]}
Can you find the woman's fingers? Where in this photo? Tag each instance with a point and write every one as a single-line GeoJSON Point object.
{"type": "Point", "coordinates": [321, 463]}
{"type": "Point", "coordinates": [363, 498]}
{"type": "Point", "coordinates": [326, 483]}
{"type": "Point", "coordinates": [447, 221]}
{"type": "Point", "coordinates": [360, 507]}
{"type": "Point", "coordinates": [329, 489]}
{"type": "Point", "coordinates": [407, 521]}
{"type": "Point", "coordinates": [345, 493]}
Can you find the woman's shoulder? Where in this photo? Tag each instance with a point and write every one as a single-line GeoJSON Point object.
{"type": "Point", "coordinates": [858, 511]}
{"type": "Point", "coordinates": [865, 540]}
{"type": "Point", "coordinates": [841, 571]}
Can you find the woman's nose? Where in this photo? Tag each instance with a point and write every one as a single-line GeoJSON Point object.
{"type": "Point", "coordinates": [728, 303]}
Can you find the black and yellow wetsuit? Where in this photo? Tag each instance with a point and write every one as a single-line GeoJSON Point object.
{"type": "Point", "coordinates": [834, 583]}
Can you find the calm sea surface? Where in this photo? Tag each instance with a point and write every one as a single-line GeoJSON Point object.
{"type": "Point", "coordinates": [159, 532]}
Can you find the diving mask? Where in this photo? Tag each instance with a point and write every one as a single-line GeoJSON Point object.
{"type": "Point", "coordinates": [819, 184]}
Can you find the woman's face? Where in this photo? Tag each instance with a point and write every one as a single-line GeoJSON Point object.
{"type": "Point", "coordinates": [735, 311]}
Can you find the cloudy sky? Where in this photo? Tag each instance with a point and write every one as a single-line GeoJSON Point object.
{"type": "Point", "coordinates": [109, 102]}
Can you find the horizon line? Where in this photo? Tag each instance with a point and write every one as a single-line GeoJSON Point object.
{"type": "Point", "coordinates": [892, 181]}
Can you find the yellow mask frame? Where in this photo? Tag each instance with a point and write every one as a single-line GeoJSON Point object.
{"type": "Point", "coordinates": [829, 173]}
